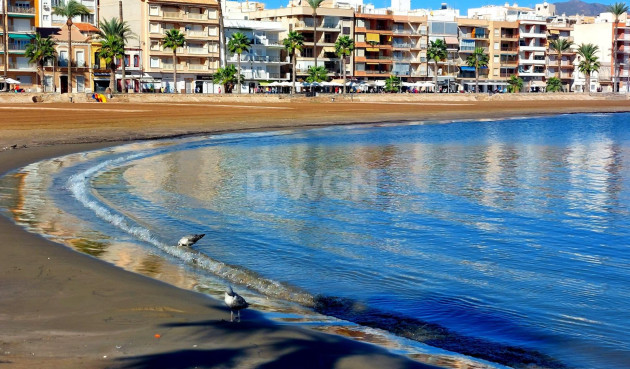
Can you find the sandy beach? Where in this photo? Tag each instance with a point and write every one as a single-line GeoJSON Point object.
{"type": "Point", "coordinates": [62, 309]}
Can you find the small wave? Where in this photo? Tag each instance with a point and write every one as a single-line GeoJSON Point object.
{"type": "Point", "coordinates": [78, 185]}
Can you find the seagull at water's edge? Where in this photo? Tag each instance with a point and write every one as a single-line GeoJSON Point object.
{"type": "Point", "coordinates": [235, 302]}
{"type": "Point", "coordinates": [190, 239]}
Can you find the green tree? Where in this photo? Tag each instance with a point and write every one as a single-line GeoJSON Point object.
{"type": "Point", "coordinates": [173, 39]}
{"type": "Point", "coordinates": [121, 30]}
{"type": "Point", "coordinates": [478, 59]}
{"type": "Point", "coordinates": [314, 4]}
{"type": "Point", "coordinates": [317, 74]}
{"type": "Point", "coordinates": [515, 84]}
{"type": "Point", "coordinates": [554, 85]}
{"type": "Point", "coordinates": [238, 44]}
{"type": "Point", "coordinates": [70, 10]}
{"type": "Point", "coordinates": [589, 63]}
{"type": "Point", "coordinates": [343, 48]}
{"type": "Point", "coordinates": [392, 84]}
{"type": "Point", "coordinates": [38, 51]}
{"type": "Point", "coordinates": [560, 46]}
{"type": "Point", "coordinates": [617, 9]}
{"type": "Point", "coordinates": [437, 52]}
{"type": "Point", "coordinates": [111, 49]}
{"type": "Point", "coordinates": [226, 77]}
{"type": "Point", "coordinates": [292, 44]}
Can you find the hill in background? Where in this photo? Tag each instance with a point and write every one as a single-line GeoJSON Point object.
{"type": "Point", "coordinates": [573, 7]}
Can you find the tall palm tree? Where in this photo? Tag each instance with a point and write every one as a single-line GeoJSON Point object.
{"type": "Point", "coordinates": [315, 4]}
{"type": "Point", "coordinates": [174, 39]}
{"type": "Point", "coordinates": [292, 44]}
{"type": "Point", "coordinates": [38, 51]}
{"type": "Point", "coordinates": [238, 44]}
{"type": "Point", "coordinates": [121, 30]}
{"type": "Point", "coordinates": [343, 49]}
{"type": "Point", "coordinates": [617, 9]}
{"type": "Point", "coordinates": [226, 77]}
{"type": "Point", "coordinates": [222, 58]}
{"type": "Point", "coordinates": [111, 49]}
{"type": "Point", "coordinates": [5, 40]}
{"type": "Point", "coordinates": [437, 52]}
{"type": "Point", "coordinates": [478, 59]}
{"type": "Point", "coordinates": [560, 46]}
{"type": "Point", "coordinates": [589, 62]}
{"type": "Point", "coordinates": [70, 10]}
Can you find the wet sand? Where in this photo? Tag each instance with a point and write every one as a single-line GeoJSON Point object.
{"type": "Point", "coordinates": [62, 309]}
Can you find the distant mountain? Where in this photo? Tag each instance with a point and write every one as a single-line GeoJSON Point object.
{"type": "Point", "coordinates": [573, 7]}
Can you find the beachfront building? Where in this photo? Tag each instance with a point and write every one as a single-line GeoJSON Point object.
{"type": "Point", "coordinates": [599, 34]}
{"type": "Point", "coordinates": [532, 57]}
{"type": "Point", "coordinates": [265, 62]}
{"type": "Point", "coordinates": [473, 34]}
{"type": "Point", "coordinates": [623, 55]}
{"type": "Point", "coordinates": [56, 70]}
{"type": "Point", "coordinates": [196, 62]}
{"type": "Point", "coordinates": [447, 71]}
{"type": "Point", "coordinates": [18, 19]}
{"type": "Point", "coordinates": [334, 19]}
{"type": "Point", "coordinates": [373, 38]}
{"type": "Point", "coordinates": [48, 19]}
{"type": "Point", "coordinates": [561, 28]}
{"type": "Point", "coordinates": [409, 47]}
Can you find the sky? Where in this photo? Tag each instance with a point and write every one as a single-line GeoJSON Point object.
{"type": "Point", "coordinates": [462, 5]}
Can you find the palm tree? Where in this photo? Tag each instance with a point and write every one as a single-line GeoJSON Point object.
{"type": "Point", "coordinates": [69, 11]}
{"type": "Point", "coordinates": [560, 46]}
{"type": "Point", "coordinates": [343, 48]}
{"type": "Point", "coordinates": [515, 84]}
{"type": "Point", "coordinates": [554, 84]}
{"type": "Point", "coordinates": [238, 44]}
{"type": "Point", "coordinates": [111, 49]}
{"type": "Point", "coordinates": [478, 59]}
{"type": "Point", "coordinates": [437, 52]}
{"type": "Point", "coordinates": [617, 9]}
{"type": "Point", "coordinates": [174, 39]}
{"type": "Point", "coordinates": [589, 62]}
{"type": "Point", "coordinates": [392, 84]}
{"type": "Point", "coordinates": [317, 74]}
{"type": "Point", "coordinates": [226, 77]}
{"type": "Point", "coordinates": [121, 30]}
{"type": "Point", "coordinates": [315, 4]}
{"type": "Point", "coordinates": [222, 58]}
{"type": "Point", "coordinates": [292, 44]}
{"type": "Point", "coordinates": [5, 40]}
{"type": "Point", "coordinates": [38, 51]}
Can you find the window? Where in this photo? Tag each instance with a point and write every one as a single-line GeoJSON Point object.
{"type": "Point", "coordinates": [212, 31]}
{"type": "Point", "coordinates": [154, 10]}
{"type": "Point", "coordinates": [87, 18]}
{"type": "Point", "coordinates": [360, 52]}
{"type": "Point", "coordinates": [212, 14]}
{"type": "Point", "coordinates": [497, 46]}
{"type": "Point", "coordinates": [496, 32]}
{"type": "Point", "coordinates": [127, 60]}
{"type": "Point", "coordinates": [346, 30]}
{"type": "Point", "coordinates": [154, 28]}
{"type": "Point", "coordinates": [307, 52]}
{"type": "Point", "coordinates": [360, 37]}
{"type": "Point", "coordinates": [155, 62]}
{"type": "Point", "coordinates": [155, 46]}
{"type": "Point", "coordinates": [360, 23]}
{"type": "Point", "coordinates": [80, 83]}
{"type": "Point", "coordinates": [136, 61]}
{"type": "Point", "coordinates": [496, 71]}
{"type": "Point", "coordinates": [496, 58]}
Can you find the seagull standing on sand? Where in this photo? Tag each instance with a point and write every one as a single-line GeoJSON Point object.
{"type": "Point", "coordinates": [190, 239]}
{"type": "Point", "coordinates": [235, 302]}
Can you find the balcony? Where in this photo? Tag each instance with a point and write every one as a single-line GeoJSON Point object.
{"type": "Point", "coordinates": [197, 16]}
{"type": "Point", "coordinates": [533, 35]}
{"type": "Point", "coordinates": [509, 36]}
{"type": "Point", "coordinates": [21, 9]}
{"type": "Point", "coordinates": [197, 50]}
{"type": "Point", "coordinates": [401, 45]}
{"type": "Point", "coordinates": [265, 75]}
{"type": "Point", "coordinates": [17, 47]}
{"type": "Point", "coordinates": [172, 15]}
{"type": "Point", "coordinates": [170, 66]}
{"type": "Point", "coordinates": [482, 36]}
{"type": "Point", "coordinates": [14, 29]}
{"type": "Point", "coordinates": [403, 31]}
{"type": "Point", "coordinates": [258, 59]}
{"type": "Point", "coordinates": [532, 61]}
{"type": "Point", "coordinates": [533, 47]}
{"type": "Point", "coordinates": [197, 67]}
{"type": "Point", "coordinates": [510, 50]}
{"type": "Point", "coordinates": [22, 67]}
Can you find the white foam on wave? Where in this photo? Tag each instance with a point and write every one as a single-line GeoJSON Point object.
{"type": "Point", "coordinates": [78, 185]}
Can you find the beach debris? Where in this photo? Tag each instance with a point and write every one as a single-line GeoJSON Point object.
{"type": "Point", "coordinates": [235, 302]}
{"type": "Point", "coordinates": [190, 239]}
{"type": "Point", "coordinates": [157, 335]}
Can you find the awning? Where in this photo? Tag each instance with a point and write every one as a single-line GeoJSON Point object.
{"type": "Point", "coordinates": [451, 40]}
{"type": "Point", "coordinates": [538, 84]}
{"type": "Point", "coordinates": [371, 49]}
{"type": "Point", "coordinates": [21, 37]}
{"type": "Point", "coordinates": [554, 31]}
{"type": "Point", "coordinates": [372, 37]}
{"type": "Point", "coordinates": [329, 49]}
{"type": "Point", "coordinates": [467, 69]}
{"type": "Point", "coordinates": [370, 63]}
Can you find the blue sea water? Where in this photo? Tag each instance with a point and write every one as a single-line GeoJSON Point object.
{"type": "Point", "coordinates": [507, 240]}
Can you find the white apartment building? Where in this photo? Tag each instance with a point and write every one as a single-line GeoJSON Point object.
{"type": "Point", "coordinates": [48, 19]}
{"type": "Point", "coordinates": [532, 57]}
{"type": "Point", "coordinates": [265, 61]}
{"type": "Point", "coordinates": [599, 34]}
